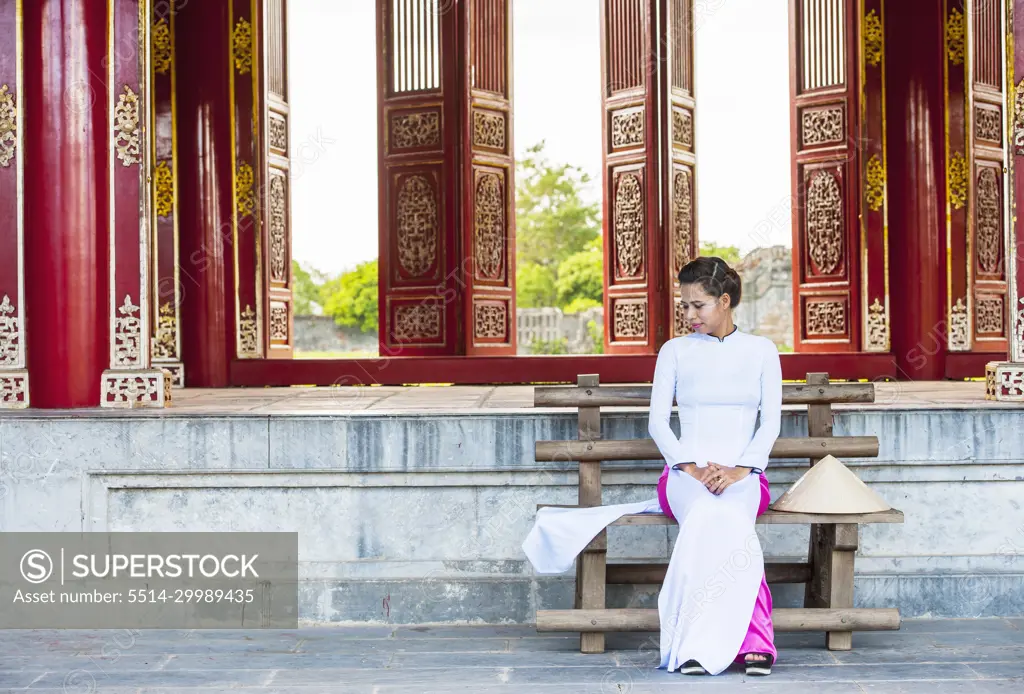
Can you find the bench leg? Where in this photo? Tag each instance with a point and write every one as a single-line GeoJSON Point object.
{"type": "Point", "coordinates": [832, 550]}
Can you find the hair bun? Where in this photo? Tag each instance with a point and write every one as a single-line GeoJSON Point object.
{"type": "Point", "coordinates": [714, 276]}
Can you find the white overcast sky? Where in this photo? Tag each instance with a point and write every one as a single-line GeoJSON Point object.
{"type": "Point", "coordinates": [742, 125]}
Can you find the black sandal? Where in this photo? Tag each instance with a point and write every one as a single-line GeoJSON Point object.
{"type": "Point", "coordinates": [759, 668]}
{"type": "Point", "coordinates": [692, 667]}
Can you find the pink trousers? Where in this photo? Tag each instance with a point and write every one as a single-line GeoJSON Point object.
{"type": "Point", "coordinates": [760, 636]}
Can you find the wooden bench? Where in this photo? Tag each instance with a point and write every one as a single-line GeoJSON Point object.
{"type": "Point", "coordinates": [828, 572]}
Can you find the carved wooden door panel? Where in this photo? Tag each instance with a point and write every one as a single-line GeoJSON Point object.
{"type": "Point", "coordinates": [488, 180]}
{"type": "Point", "coordinates": [826, 189]}
{"type": "Point", "coordinates": [418, 131]}
{"type": "Point", "coordinates": [978, 310]}
{"type": "Point", "coordinates": [275, 174]}
{"type": "Point", "coordinates": [679, 193]}
{"type": "Point", "coordinates": [635, 307]}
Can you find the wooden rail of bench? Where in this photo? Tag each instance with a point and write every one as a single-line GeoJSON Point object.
{"type": "Point", "coordinates": [827, 574]}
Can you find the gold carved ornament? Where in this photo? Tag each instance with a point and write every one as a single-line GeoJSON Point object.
{"type": "Point", "coordinates": [874, 192]}
{"type": "Point", "coordinates": [988, 221]}
{"type": "Point", "coordinates": [10, 346]}
{"type": "Point", "coordinates": [989, 315]}
{"type": "Point", "coordinates": [682, 128]}
{"type": "Point", "coordinates": [248, 342]}
{"type": "Point", "coordinates": [822, 126]}
{"type": "Point", "coordinates": [279, 322]}
{"type": "Point", "coordinates": [825, 222]}
{"type": "Point", "coordinates": [956, 174]}
{"type": "Point", "coordinates": [245, 198]}
{"type": "Point", "coordinates": [242, 44]}
{"type": "Point", "coordinates": [988, 124]}
{"type": "Point", "coordinates": [419, 321]}
{"type": "Point", "coordinates": [126, 127]}
{"type": "Point", "coordinates": [161, 46]}
{"type": "Point", "coordinates": [630, 319]}
{"type": "Point", "coordinates": [872, 39]}
{"type": "Point", "coordinates": [878, 332]}
{"type": "Point", "coordinates": [489, 227]}
{"type": "Point", "coordinates": [417, 225]}
{"type": "Point", "coordinates": [410, 130]}
{"type": "Point", "coordinates": [958, 328]}
{"type": "Point", "coordinates": [682, 213]}
{"type": "Point", "coordinates": [165, 346]}
{"type": "Point", "coordinates": [1018, 118]}
{"type": "Point", "coordinates": [127, 335]}
{"type": "Point", "coordinates": [628, 128]}
{"type": "Point", "coordinates": [278, 227]}
{"type": "Point", "coordinates": [629, 225]}
{"type": "Point", "coordinates": [490, 320]}
{"type": "Point", "coordinates": [489, 130]}
{"type": "Point", "coordinates": [8, 126]}
{"type": "Point", "coordinates": [826, 318]}
{"type": "Point", "coordinates": [164, 182]}
{"type": "Point", "coordinates": [955, 37]}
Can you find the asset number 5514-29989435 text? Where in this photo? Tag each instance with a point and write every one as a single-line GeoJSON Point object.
{"type": "Point", "coordinates": [191, 595]}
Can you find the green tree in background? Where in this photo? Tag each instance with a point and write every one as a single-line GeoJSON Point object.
{"type": "Point", "coordinates": [730, 254]}
{"type": "Point", "coordinates": [306, 285]}
{"type": "Point", "coordinates": [558, 236]}
{"type": "Point", "coordinates": [351, 298]}
{"type": "Point", "coordinates": [552, 220]}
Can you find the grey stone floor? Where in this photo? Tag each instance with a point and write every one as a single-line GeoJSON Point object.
{"type": "Point", "coordinates": [934, 656]}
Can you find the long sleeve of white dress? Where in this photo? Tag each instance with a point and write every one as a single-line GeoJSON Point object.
{"type": "Point", "coordinates": [663, 394]}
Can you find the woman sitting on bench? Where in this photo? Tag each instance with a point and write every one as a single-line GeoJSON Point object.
{"type": "Point", "coordinates": [714, 606]}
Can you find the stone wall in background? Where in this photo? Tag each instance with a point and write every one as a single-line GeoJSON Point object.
{"type": "Point", "coordinates": [766, 307]}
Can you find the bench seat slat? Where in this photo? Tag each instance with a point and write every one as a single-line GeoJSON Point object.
{"type": "Point", "coordinates": [769, 517]}
{"type": "Point", "coordinates": [783, 619]}
{"type": "Point", "coordinates": [640, 395]}
{"type": "Point", "coordinates": [647, 449]}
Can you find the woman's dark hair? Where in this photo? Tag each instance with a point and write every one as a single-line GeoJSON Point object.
{"type": "Point", "coordinates": [714, 276]}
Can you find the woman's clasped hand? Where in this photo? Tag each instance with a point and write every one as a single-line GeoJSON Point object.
{"type": "Point", "coordinates": [716, 478]}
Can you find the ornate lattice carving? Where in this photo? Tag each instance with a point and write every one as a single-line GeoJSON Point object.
{"type": "Point", "coordinates": [489, 227]}
{"type": "Point", "coordinates": [248, 334]}
{"type": "Point", "coordinates": [242, 44]}
{"type": "Point", "coordinates": [988, 318]}
{"type": "Point", "coordinates": [8, 127]}
{"type": "Point", "coordinates": [1017, 346]}
{"type": "Point", "coordinates": [1018, 118]}
{"type": "Point", "coordinates": [165, 346]}
{"type": "Point", "coordinates": [417, 322]}
{"type": "Point", "coordinates": [133, 389]}
{"type": "Point", "coordinates": [629, 225]}
{"type": "Point", "coordinates": [10, 341]}
{"type": "Point", "coordinates": [878, 330]}
{"type": "Point", "coordinates": [681, 326]}
{"type": "Point", "coordinates": [164, 183]}
{"type": "Point", "coordinates": [822, 126]}
{"type": "Point", "coordinates": [628, 128]}
{"type": "Point", "coordinates": [955, 37]}
{"type": "Point", "coordinates": [872, 39]}
{"type": "Point", "coordinates": [489, 130]}
{"type": "Point", "coordinates": [682, 218]}
{"type": "Point", "coordinates": [959, 330]}
{"type": "Point", "coordinates": [956, 174]}
{"type": "Point", "coordinates": [161, 46]}
{"type": "Point", "coordinates": [278, 203]}
{"type": "Point", "coordinates": [245, 196]}
{"type": "Point", "coordinates": [825, 222]}
{"type": "Point", "coordinates": [490, 320]}
{"type": "Point", "coordinates": [13, 389]}
{"type": "Point", "coordinates": [988, 221]}
{"type": "Point", "coordinates": [988, 124]}
{"type": "Point", "coordinates": [417, 225]}
{"type": "Point", "coordinates": [826, 318]}
{"type": "Point", "coordinates": [127, 335]}
{"type": "Point", "coordinates": [279, 322]}
{"type": "Point", "coordinates": [682, 128]}
{"type": "Point", "coordinates": [126, 127]}
{"type": "Point", "coordinates": [874, 191]}
{"type": "Point", "coordinates": [278, 127]}
{"type": "Point", "coordinates": [409, 130]}
{"type": "Point", "coordinates": [630, 319]}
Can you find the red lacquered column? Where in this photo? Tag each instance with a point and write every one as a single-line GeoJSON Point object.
{"type": "Point", "coordinates": [66, 203]}
{"type": "Point", "coordinates": [914, 44]}
{"type": "Point", "coordinates": [205, 194]}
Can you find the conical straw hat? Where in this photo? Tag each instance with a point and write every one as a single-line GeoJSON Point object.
{"type": "Point", "coordinates": [830, 487]}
